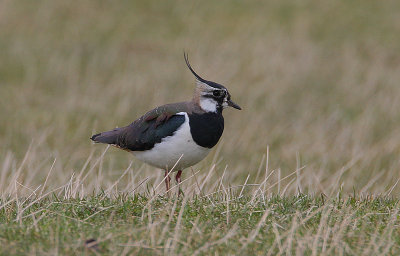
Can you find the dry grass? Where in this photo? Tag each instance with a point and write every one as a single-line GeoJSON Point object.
{"type": "Point", "coordinates": [318, 83]}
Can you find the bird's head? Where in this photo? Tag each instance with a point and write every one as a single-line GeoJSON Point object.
{"type": "Point", "coordinates": [210, 96]}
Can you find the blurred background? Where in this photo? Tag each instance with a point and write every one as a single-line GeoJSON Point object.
{"type": "Point", "coordinates": [318, 83]}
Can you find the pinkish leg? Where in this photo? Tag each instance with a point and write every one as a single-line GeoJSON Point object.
{"type": "Point", "coordinates": [178, 181]}
{"type": "Point", "coordinates": [167, 180]}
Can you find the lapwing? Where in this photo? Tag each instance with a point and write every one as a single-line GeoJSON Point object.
{"type": "Point", "coordinates": [175, 136]}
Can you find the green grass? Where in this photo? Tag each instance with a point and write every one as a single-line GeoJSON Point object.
{"type": "Point", "coordinates": [222, 223]}
{"type": "Point", "coordinates": [319, 86]}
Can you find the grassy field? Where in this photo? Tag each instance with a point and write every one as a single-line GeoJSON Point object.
{"type": "Point", "coordinates": [309, 166]}
{"type": "Point", "coordinates": [211, 225]}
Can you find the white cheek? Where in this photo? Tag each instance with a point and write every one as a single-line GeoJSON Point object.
{"type": "Point", "coordinates": [208, 105]}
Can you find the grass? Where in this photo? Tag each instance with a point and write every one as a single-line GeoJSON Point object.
{"type": "Point", "coordinates": [222, 223]}
{"type": "Point", "coordinates": [318, 83]}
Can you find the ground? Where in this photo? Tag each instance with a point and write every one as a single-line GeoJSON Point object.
{"type": "Point", "coordinates": [222, 223]}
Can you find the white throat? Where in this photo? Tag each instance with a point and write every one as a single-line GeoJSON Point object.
{"type": "Point", "coordinates": [208, 105]}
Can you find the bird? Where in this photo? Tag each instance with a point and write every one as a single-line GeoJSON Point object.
{"type": "Point", "coordinates": [175, 136]}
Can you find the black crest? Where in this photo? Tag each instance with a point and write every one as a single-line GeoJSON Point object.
{"type": "Point", "coordinates": [210, 83]}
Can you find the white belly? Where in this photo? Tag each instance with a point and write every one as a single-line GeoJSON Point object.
{"type": "Point", "coordinates": [180, 146]}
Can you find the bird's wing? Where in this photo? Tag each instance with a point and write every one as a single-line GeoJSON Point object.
{"type": "Point", "coordinates": [146, 131]}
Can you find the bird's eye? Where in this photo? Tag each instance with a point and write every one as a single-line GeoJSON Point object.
{"type": "Point", "coordinates": [217, 93]}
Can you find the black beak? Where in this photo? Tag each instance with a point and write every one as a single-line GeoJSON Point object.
{"type": "Point", "coordinates": [233, 104]}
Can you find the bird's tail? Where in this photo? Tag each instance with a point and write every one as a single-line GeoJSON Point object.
{"type": "Point", "coordinates": [109, 137]}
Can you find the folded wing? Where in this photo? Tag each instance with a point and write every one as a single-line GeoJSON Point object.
{"type": "Point", "coordinates": [146, 131]}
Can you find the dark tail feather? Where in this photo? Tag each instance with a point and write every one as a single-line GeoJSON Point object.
{"type": "Point", "coordinates": [109, 137]}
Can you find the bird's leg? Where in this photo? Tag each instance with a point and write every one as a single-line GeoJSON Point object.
{"type": "Point", "coordinates": [178, 176]}
{"type": "Point", "coordinates": [167, 180]}
{"type": "Point", "coordinates": [178, 181]}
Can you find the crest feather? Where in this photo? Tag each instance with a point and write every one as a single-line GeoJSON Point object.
{"type": "Point", "coordinates": [186, 56]}
{"type": "Point", "coordinates": [199, 78]}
